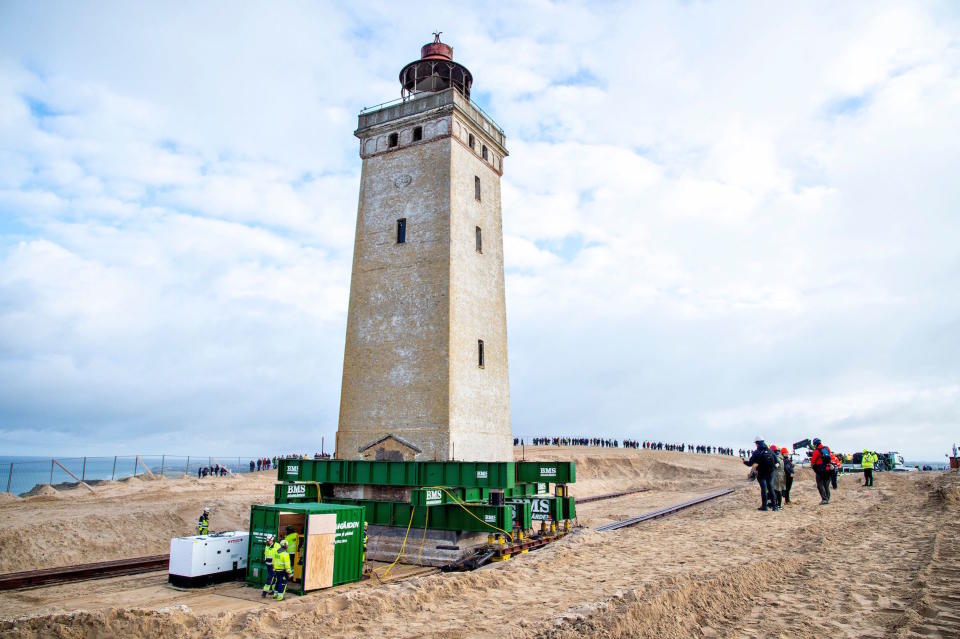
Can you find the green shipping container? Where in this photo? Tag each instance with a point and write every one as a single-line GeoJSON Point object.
{"type": "Point", "coordinates": [330, 551]}
{"type": "Point", "coordinates": [553, 472]}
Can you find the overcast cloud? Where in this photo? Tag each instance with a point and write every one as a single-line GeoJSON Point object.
{"type": "Point", "coordinates": [721, 219]}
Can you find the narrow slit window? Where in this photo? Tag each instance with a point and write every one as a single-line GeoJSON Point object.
{"type": "Point", "coordinates": [472, 141]}
{"type": "Point", "coordinates": [479, 240]}
{"type": "Point", "coordinates": [476, 187]}
{"type": "Point", "coordinates": [480, 353]}
{"type": "Point", "coordinates": [394, 140]}
{"type": "Point", "coordinates": [484, 153]}
{"type": "Point", "coordinates": [418, 134]}
{"type": "Point", "coordinates": [402, 230]}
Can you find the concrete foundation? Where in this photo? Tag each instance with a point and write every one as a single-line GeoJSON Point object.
{"type": "Point", "coordinates": [439, 547]}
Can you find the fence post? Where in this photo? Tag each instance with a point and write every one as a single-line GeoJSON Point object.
{"type": "Point", "coordinates": [163, 462]}
{"type": "Point", "coordinates": [83, 471]}
{"type": "Point", "coordinates": [136, 463]}
{"type": "Point", "coordinates": [10, 477]}
{"type": "Point", "coordinates": [114, 475]}
{"type": "Point", "coordinates": [186, 470]}
{"type": "Point", "coordinates": [51, 472]}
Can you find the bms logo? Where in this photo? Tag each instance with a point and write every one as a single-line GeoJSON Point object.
{"type": "Point", "coordinates": [296, 490]}
{"type": "Point", "coordinates": [293, 470]}
{"type": "Point", "coordinates": [434, 497]}
{"type": "Point", "coordinates": [481, 474]}
{"type": "Point", "coordinates": [548, 471]}
{"type": "Point", "coordinates": [490, 519]}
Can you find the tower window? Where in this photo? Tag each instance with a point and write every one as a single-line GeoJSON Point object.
{"type": "Point", "coordinates": [484, 153]}
{"type": "Point", "coordinates": [480, 353]}
{"type": "Point", "coordinates": [418, 134]}
{"type": "Point", "coordinates": [402, 230]}
{"type": "Point", "coordinates": [394, 140]}
{"type": "Point", "coordinates": [472, 141]}
{"type": "Point", "coordinates": [476, 187]}
{"type": "Point", "coordinates": [479, 240]}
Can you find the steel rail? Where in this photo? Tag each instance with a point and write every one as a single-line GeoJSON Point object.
{"type": "Point", "coordinates": [83, 572]}
{"type": "Point", "coordinates": [663, 512]}
{"type": "Point", "coordinates": [622, 493]}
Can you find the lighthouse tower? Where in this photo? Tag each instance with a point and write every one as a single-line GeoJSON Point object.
{"type": "Point", "coordinates": [425, 364]}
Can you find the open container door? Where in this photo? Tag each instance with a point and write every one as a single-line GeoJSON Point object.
{"type": "Point", "coordinates": [320, 546]}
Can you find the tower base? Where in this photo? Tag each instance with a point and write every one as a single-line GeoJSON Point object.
{"type": "Point", "coordinates": [439, 547]}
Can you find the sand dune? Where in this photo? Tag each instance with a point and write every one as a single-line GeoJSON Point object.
{"type": "Point", "coordinates": [882, 562]}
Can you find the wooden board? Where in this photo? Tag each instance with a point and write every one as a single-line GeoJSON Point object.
{"type": "Point", "coordinates": [321, 535]}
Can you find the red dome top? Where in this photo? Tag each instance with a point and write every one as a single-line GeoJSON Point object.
{"type": "Point", "coordinates": [436, 50]}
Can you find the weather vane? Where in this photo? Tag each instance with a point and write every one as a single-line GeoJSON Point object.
{"type": "Point", "coordinates": [436, 36]}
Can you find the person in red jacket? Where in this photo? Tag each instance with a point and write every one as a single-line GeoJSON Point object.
{"type": "Point", "coordinates": [823, 467]}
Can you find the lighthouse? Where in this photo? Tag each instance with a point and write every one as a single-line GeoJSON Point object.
{"type": "Point", "coordinates": [425, 373]}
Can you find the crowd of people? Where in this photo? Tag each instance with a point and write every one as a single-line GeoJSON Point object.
{"type": "Point", "coordinates": [601, 442]}
{"type": "Point", "coordinates": [215, 470]}
{"type": "Point", "coordinates": [689, 448]}
{"type": "Point", "coordinates": [598, 442]}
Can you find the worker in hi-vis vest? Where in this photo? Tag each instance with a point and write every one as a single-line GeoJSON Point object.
{"type": "Point", "coordinates": [203, 524]}
{"type": "Point", "coordinates": [282, 571]}
{"type": "Point", "coordinates": [867, 462]}
{"type": "Point", "coordinates": [269, 555]}
{"type": "Point", "coordinates": [293, 542]}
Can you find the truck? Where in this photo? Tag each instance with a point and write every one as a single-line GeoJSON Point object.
{"type": "Point", "coordinates": [891, 460]}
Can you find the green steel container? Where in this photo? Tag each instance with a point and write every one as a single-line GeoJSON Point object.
{"type": "Point", "coordinates": [484, 474]}
{"type": "Point", "coordinates": [295, 493]}
{"type": "Point", "coordinates": [348, 543]}
{"type": "Point", "coordinates": [553, 472]}
{"type": "Point", "coordinates": [495, 475]}
{"type": "Point", "coordinates": [437, 496]}
{"type": "Point", "coordinates": [467, 517]}
{"type": "Point", "coordinates": [522, 514]}
{"type": "Point", "coordinates": [526, 490]}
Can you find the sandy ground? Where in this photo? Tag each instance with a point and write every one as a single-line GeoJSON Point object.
{"type": "Point", "coordinates": [881, 562]}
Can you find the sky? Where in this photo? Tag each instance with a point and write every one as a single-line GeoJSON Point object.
{"type": "Point", "coordinates": [721, 219]}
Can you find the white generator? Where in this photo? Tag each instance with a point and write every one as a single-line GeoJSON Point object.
{"type": "Point", "coordinates": [204, 559]}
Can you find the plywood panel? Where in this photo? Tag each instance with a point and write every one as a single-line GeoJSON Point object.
{"type": "Point", "coordinates": [318, 571]}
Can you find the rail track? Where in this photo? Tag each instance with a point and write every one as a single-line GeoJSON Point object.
{"type": "Point", "coordinates": [666, 510]}
{"type": "Point", "coordinates": [83, 572]}
{"type": "Point", "coordinates": [622, 493]}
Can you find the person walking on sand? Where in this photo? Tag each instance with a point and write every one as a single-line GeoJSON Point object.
{"type": "Point", "coordinates": [762, 462]}
{"type": "Point", "coordinates": [203, 524]}
{"type": "Point", "coordinates": [778, 478]}
{"type": "Point", "coordinates": [787, 474]}
{"type": "Point", "coordinates": [823, 468]}
{"type": "Point", "coordinates": [867, 462]}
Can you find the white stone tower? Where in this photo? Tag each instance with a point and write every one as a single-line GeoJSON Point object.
{"type": "Point", "coordinates": [425, 363]}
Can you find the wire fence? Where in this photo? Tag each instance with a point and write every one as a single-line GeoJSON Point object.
{"type": "Point", "coordinates": [27, 477]}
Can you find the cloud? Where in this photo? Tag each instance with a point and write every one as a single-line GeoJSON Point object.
{"type": "Point", "coordinates": [716, 218]}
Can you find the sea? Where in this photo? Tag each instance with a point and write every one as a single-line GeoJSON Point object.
{"type": "Point", "coordinates": [22, 475]}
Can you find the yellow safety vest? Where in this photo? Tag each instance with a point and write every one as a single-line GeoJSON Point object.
{"type": "Point", "coordinates": [270, 553]}
{"type": "Point", "coordinates": [868, 460]}
{"type": "Point", "coordinates": [293, 540]}
{"type": "Point", "coordinates": [281, 563]}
